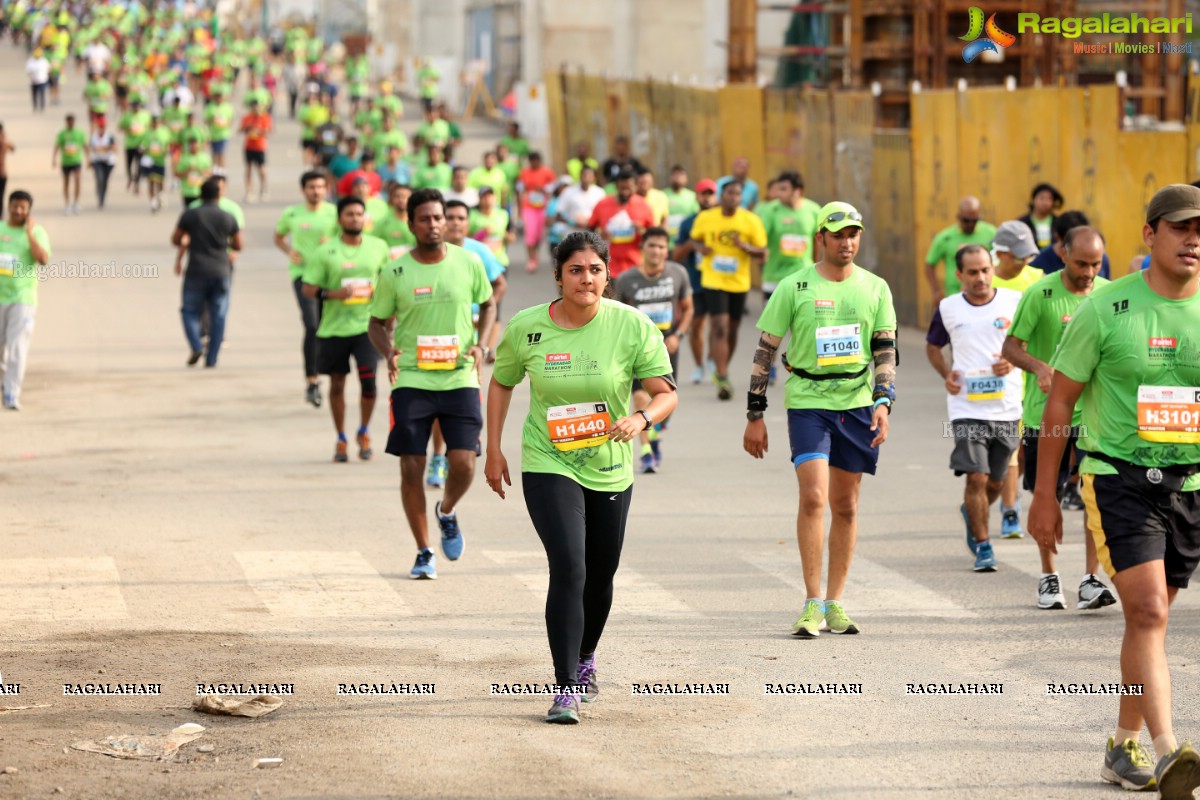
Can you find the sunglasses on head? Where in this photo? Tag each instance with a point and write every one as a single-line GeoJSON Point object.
{"type": "Point", "coordinates": [838, 216]}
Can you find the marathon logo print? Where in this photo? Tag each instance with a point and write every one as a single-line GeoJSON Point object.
{"type": "Point", "coordinates": [1162, 349]}
{"type": "Point", "coordinates": [423, 291]}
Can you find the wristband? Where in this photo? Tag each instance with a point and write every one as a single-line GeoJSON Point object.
{"type": "Point", "coordinates": [322, 294]}
{"type": "Point", "coordinates": [882, 391]}
{"type": "Point", "coordinates": [756, 402]}
{"type": "Point", "coordinates": [884, 401]}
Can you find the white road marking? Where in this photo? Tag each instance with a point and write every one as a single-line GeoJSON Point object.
{"type": "Point", "coordinates": [56, 589]}
{"type": "Point", "coordinates": [872, 589]}
{"type": "Point", "coordinates": [319, 583]}
{"type": "Point", "coordinates": [633, 593]}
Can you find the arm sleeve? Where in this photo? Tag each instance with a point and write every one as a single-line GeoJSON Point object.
{"type": "Point", "coordinates": [938, 336]}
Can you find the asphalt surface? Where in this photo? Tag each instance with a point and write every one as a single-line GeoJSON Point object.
{"type": "Point", "coordinates": [178, 526]}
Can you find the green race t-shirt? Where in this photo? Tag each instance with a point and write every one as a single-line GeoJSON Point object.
{"type": "Point", "coordinates": [72, 144]}
{"type": "Point", "coordinates": [680, 205]}
{"type": "Point", "coordinates": [134, 125]}
{"type": "Point", "coordinates": [157, 145]}
{"type": "Point", "coordinates": [789, 238]}
{"type": "Point", "coordinates": [219, 117]}
{"type": "Point", "coordinates": [434, 324]}
{"type": "Point", "coordinates": [831, 323]}
{"type": "Point", "coordinates": [384, 141]}
{"type": "Point", "coordinates": [337, 265]}
{"type": "Point", "coordinates": [516, 145]}
{"type": "Point", "coordinates": [18, 270]}
{"type": "Point", "coordinates": [1139, 354]}
{"type": "Point", "coordinates": [98, 93]}
{"type": "Point", "coordinates": [194, 168]}
{"type": "Point", "coordinates": [306, 230]}
{"type": "Point", "coordinates": [492, 228]}
{"type": "Point", "coordinates": [394, 231]}
{"type": "Point", "coordinates": [434, 176]}
{"type": "Point", "coordinates": [579, 382]}
{"type": "Point", "coordinates": [1042, 315]}
{"type": "Point", "coordinates": [946, 244]}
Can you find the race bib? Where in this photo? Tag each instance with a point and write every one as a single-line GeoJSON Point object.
{"type": "Point", "coordinates": [661, 314]}
{"type": "Point", "coordinates": [399, 251]}
{"type": "Point", "coordinates": [360, 288]}
{"type": "Point", "coordinates": [220, 122]}
{"type": "Point", "coordinates": [194, 179]}
{"type": "Point", "coordinates": [146, 161]}
{"type": "Point", "coordinates": [437, 352]}
{"type": "Point", "coordinates": [793, 245]}
{"type": "Point", "coordinates": [1169, 414]}
{"type": "Point", "coordinates": [673, 223]}
{"type": "Point", "coordinates": [578, 426]}
{"type": "Point", "coordinates": [839, 344]}
{"type": "Point", "coordinates": [71, 149]}
{"type": "Point", "coordinates": [137, 129]}
{"type": "Point", "coordinates": [494, 244]}
{"type": "Point", "coordinates": [620, 229]}
{"type": "Point", "coordinates": [7, 264]}
{"type": "Point", "coordinates": [536, 199]}
{"type": "Point", "coordinates": [725, 264]}
{"type": "Point", "coordinates": [983, 385]}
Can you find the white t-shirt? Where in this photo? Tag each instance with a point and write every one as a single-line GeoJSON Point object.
{"type": "Point", "coordinates": [469, 196]}
{"type": "Point", "coordinates": [98, 56]}
{"type": "Point", "coordinates": [38, 70]}
{"type": "Point", "coordinates": [100, 141]}
{"type": "Point", "coordinates": [977, 336]}
{"type": "Point", "coordinates": [576, 202]}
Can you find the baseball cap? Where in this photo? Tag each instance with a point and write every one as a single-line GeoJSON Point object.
{"type": "Point", "coordinates": [1174, 203]}
{"type": "Point", "coordinates": [837, 215]}
{"type": "Point", "coordinates": [706, 185]}
{"type": "Point", "coordinates": [1015, 237]}
{"type": "Point", "coordinates": [485, 190]}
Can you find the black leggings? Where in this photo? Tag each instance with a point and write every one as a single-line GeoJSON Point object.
{"type": "Point", "coordinates": [102, 169]}
{"type": "Point", "coordinates": [582, 531]}
{"type": "Point", "coordinates": [310, 315]}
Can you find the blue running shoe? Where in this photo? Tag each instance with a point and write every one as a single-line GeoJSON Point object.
{"type": "Point", "coordinates": [452, 538]}
{"type": "Point", "coordinates": [971, 543]}
{"type": "Point", "coordinates": [1010, 524]}
{"type": "Point", "coordinates": [426, 567]}
{"type": "Point", "coordinates": [985, 559]}
{"type": "Point", "coordinates": [434, 475]}
{"type": "Point", "coordinates": [587, 679]}
{"type": "Point", "coordinates": [647, 463]}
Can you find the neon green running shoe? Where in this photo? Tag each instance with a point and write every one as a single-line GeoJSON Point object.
{"type": "Point", "coordinates": [808, 626]}
{"type": "Point", "coordinates": [835, 617]}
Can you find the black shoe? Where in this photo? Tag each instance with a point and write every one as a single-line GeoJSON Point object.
{"type": "Point", "coordinates": [195, 357]}
{"type": "Point", "coordinates": [1071, 499]}
{"type": "Point", "coordinates": [313, 394]}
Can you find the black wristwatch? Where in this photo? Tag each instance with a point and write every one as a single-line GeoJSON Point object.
{"type": "Point", "coordinates": [645, 416]}
{"type": "Point", "coordinates": [754, 416]}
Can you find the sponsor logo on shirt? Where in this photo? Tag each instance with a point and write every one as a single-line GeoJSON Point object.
{"type": "Point", "coordinates": [1163, 342]}
{"type": "Point", "coordinates": [1162, 349]}
{"type": "Point", "coordinates": [552, 358]}
{"type": "Point", "coordinates": [824, 304]}
{"type": "Point", "coordinates": [1002, 323]}
{"type": "Point", "coordinates": [423, 291]}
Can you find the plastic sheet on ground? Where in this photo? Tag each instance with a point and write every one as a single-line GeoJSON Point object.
{"type": "Point", "coordinates": [255, 706]}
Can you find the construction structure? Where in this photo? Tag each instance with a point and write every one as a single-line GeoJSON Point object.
{"type": "Point", "coordinates": [888, 46]}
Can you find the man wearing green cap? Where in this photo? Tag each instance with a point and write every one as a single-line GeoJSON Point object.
{"type": "Point", "coordinates": [841, 318]}
{"type": "Point", "coordinates": [1132, 352]}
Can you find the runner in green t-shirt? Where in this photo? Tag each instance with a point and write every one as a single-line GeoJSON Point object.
{"type": "Point", "coordinates": [218, 115]}
{"type": "Point", "coordinates": [790, 223]}
{"type": "Point", "coordinates": [192, 168]}
{"type": "Point", "coordinates": [342, 275]}
{"type": "Point", "coordinates": [436, 174]}
{"type": "Point", "coordinates": [681, 201]}
{"type": "Point", "coordinates": [427, 82]}
{"type": "Point", "coordinates": [491, 225]}
{"type": "Point", "coordinates": [433, 360]}
{"type": "Point", "coordinates": [156, 150]}
{"type": "Point", "coordinates": [841, 319]}
{"type": "Point", "coordinates": [24, 246]}
{"type": "Point", "coordinates": [71, 145]}
{"type": "Point", "coordinates": [1037, 327]}
{"type": "Point", "coordinates": [580, 353]}
{"type": "Point", "coordinates": [489, 174]}
{"type": "Point", "coordinates": [133, 126]}
{"type": "Point", "coordinates": [515, 142]}
{"type": "Point", "coordinates": [97, 92]}
{"type": "Point", "coordinates": [511, 167]}
{"type": "Point", "coordinates": [392, 227]}
{"type": "Point", "coordinates": [968, 230]}
{"type": "Point", "coordinates": [1132, 354]}
{"type": "Point", "coordinates": [298, 234]}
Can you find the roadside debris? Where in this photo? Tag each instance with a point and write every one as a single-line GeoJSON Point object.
{"type": "Point", "coordinates": [255, 706]}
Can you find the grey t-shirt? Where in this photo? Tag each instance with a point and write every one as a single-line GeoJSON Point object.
{"type": "Point", "coordinates": [657, 298]}
{"type": "Point", "coordinates": [209, 228]}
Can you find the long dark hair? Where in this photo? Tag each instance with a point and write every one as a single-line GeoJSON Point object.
{"type": "Point", "coordinates": [578, 241]}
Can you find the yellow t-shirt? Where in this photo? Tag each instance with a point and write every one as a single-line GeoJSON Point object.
{"type": "Point", "coordinates": [727, 268]}
{"type": "Point", "coordinates": [1025, 278]}
{"type": "Point", "coordinates": [660, 206]}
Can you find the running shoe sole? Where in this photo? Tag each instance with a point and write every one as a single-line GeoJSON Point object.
{"type": "Point", "coordinates": [1055, 606]}
{"type": "Point", "coordinates": [850, 630]}
{"type": "Point", "coordinates": [1181, 779]}
{"type": "Point", "coordinates": [1107, 774]}
{"type": "Point", "coordinates": [566, 718]}
{"type": "Point", "coordinates": [423, 577]}
{"type": "Point", "coordinates": [1101, 600]}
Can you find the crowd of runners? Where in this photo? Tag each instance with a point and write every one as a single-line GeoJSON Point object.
{"type": "Point", "coordinates": [398, 249]}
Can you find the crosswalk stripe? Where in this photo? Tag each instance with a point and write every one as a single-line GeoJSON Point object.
{"type": "Point", "coordinates": [633, 592]}
{"type": "Point", "coordinates": [52, 589]}
{"type": "Point", "coordinates": [870, 589]}
{"type": "Point", "coordinates": [319, 583]}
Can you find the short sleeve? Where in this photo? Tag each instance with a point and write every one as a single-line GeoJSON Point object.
{"type": "Point", "coordinates": [885, 313]}
{"type": "Point", "coordinates": [1079, 351]}
{"type": "Point", "coordinates": [314, 270]}
{"type": "Point", "coordinates": [1025, 319]}
{"type": "Point", "coordinates": [684, 284]}
{"type": "Point", "coordinates": [481, 290]}
{"type": "Point", "coordinates": [935, 251]}
{"type": "Point", "coordinates": [652, 359]}
{"type": "Point", "coordinates": [42, 238]}
{"type": "Point", "coordinates": [698, 228]}
{"type": "Point", "coordinates": [383, 301]}
{"type": "Point", "coordinates": [938, 336]}
{"type": "Point", "coordinates": [508, 369]}
{"type": "Point", "coordinates": [776, 318]}
{"type": "Point", "coordinates": [685, 231]}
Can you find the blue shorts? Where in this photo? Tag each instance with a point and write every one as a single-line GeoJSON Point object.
{"type": "Point", "coordinates": [843, 438]}
{"type": "Point", "coordinates": [218, 146]}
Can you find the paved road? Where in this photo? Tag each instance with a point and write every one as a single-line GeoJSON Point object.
{"type": "Point", "coordinates": [175, 526]}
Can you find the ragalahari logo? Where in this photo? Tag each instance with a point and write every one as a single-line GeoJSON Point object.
{"type": "Point", "coordinates": [993, 38]}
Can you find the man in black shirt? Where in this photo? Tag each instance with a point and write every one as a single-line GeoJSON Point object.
{"type": "Point", "coordinates": [209, 234]}
{"type": "Point", "coordinates": [619, 161]}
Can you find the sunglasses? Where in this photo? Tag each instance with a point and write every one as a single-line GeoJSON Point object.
{"type": "Point", "coordinates": [971, 220]}
{"type": "Point", "coordinates": [838, 216]}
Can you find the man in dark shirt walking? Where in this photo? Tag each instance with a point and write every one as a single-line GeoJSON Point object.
{"type": "Point", "coordinates": [209, 233]}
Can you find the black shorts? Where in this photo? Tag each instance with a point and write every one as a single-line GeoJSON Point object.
{"type": "Point", "coordinates": [415, 410]}
{"type": "Point", "coordinates": [333, 354]}
{"type": "Point", "coordinates": [985, 446]}
{"type": "Point", "coordinates": [154, 172]}
{"type": "Point", "coordinates": [73, 168]}
{"type": "Point", "coordinates": [731, 303]}
{"type": "Point", "coordinates": [1030, 441]}
{"type": "Point", "coordinates": [1132, 525]}
{"type": "Point", "coordinates": [308, 144]}
{"type": "Point", "coordinates": [258, 157]}
{"type": "Point", "coordinates": [700, 303]}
